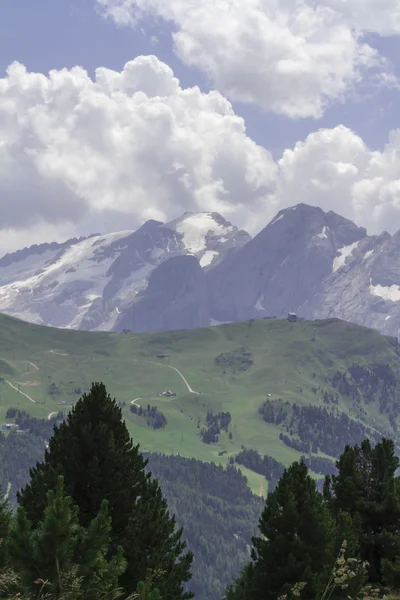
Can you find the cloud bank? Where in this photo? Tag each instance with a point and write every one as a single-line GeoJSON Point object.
{"type": "Point", "coordinates": [291, 57]}
{"type": "Point", "coordinates": [134, 145]}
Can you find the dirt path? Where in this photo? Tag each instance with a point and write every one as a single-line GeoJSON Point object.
{"type": "Point", "coordinates": [151, 362]}
{"type": "Point", "coordinates": [19, 391]}
{"type": "Point", "coordinates": [51, 414]}
{"type": "Point", "coordinates": [184, 379]}
{"type": "Point", "coordinates": [33, 365]}
{"type": "Point", "coordinates": [135, 402]}
{"type": "Point", "coordinates": [192, 391]}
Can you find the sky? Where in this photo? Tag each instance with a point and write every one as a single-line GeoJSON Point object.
{"type": "Point", "coordinates": [116, 111]}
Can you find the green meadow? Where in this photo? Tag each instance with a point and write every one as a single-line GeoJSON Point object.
{"type": "Point", "coordinates": [44, 370]}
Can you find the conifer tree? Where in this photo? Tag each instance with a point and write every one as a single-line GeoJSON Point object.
{"type": "Point", "coordinates": [366, 489]}
{"type": "Point", "coordinates": [93, 451]}
{"type": "Point", "coordinates": [58, 553]}
{"type": "Point", "coordinates": [5, 518]}
{"type": "Point", "coordinates": [297, 542]}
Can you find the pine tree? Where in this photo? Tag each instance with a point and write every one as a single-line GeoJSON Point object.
{"type": "Point", "coordinates": [297, 541]}
{"type": "Point", "coordinates": [366, 489]}
{"type": "Point", "coordinates": [59, 553]}
{"type": "Point", "coordinates": [5, 518]}
{"type": "Point", "coordinates": [93, 451]}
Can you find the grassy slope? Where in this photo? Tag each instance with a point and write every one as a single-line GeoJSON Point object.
{"type": "Point", "coordinates": [285, 359]}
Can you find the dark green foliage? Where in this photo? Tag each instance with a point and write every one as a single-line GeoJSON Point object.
{"type": "Point", "coordinates": [210, 435]}
{"type": "Point", "coordinates": [94, 453]}
{"type": "Point", "coordinates": [366, 489]}
{"type": "Point", "coordinates": [219, 516]}
{"type": "Point", "coordinates": [372, 383]}
{"type": "Point", "coordinates": [296, 444]}
{"type": "Point", "coordinates": [222, 419]}
{"type": "Point", "coordinates": [267, 466]}
{"type": "Point", "coordinates": [274, 412]}
{"type": "Point", "coordinates": [155, 418]}
{"type": "Point", "coordinates": [39, 427]}
{"type": "Point", "coordinates": [297, 543]}
{"type": "Point", "coordinates": [18, 452]}
{"type": "Point", "coordinates": [5, 518]}
{"type": "Point", "coordinates": [237, 360]}
{"type": "Point", "coordinates": [58, 550]}
{"type": "Point", "coordinates": [316, 428]}
{"type": "Point", "coordinates": [214, 424]}
{"type": "Point", "coordinates": [195, 491]}
{"type": "Point", "coordinates": [319, 464]}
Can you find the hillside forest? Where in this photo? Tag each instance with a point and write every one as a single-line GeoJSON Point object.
{"type": "Point", "coordinates": [95, 519]}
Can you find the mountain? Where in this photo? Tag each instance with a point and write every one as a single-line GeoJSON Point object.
{"type": "Point", "coordinates": [316, 264]}
{"type": "Point", "coordinates": [88, 283]}
{"type": "Point", "coordinates": [283, 267]}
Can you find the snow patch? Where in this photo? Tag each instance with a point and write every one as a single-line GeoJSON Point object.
{"type": "Point", "coordinates": [78, 273]}
{"type": "Point", "coordinates": [368, 254]}
{"type": "Point", "coordinates": [276, 219]}
{"type": "Point", "coordinates": [195, 228]}
{"type": "Point", "coordinates": [258, 305]}
{"type": "Point", "coordinates": [345, 252]}
{"type": "Point", "coordinates": [323, 235]}
{"type": "Point", "coordinates": [391, 292]}
{"type": "Point", "coordinates": [215, 323]}
{"type": "Point", "coordinates": [207, 258]}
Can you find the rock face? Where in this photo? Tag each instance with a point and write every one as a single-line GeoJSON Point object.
{"type": "Point", "coordinates": [284, 267]}
{"type": "Point", "coordinates": [88, 283]}
{"type": "Point", "coordinates": [175, 298]}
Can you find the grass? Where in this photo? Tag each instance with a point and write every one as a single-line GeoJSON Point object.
{"type": "Point", "coordinates": [285, 358]}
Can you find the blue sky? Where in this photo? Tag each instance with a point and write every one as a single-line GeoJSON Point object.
{"type": "Point", "coordinates": [46, 35]}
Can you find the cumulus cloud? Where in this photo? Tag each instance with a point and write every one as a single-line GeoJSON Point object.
{"type": "Point", "coordinates": [334, 169]}
{"type": "Point", "coordinates": [133, 141]}
{"type": "Point", "coordinates": [291, 57]}
{"type": "Point", "coordinates": [133, 145]}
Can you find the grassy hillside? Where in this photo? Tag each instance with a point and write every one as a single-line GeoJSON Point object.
{"type": "Point", "coordinates": [346, 369]}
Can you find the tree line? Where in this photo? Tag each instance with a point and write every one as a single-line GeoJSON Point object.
{"type": "Point", "coordinates": [92, 522]}
{"type": "Point", "coordinates": [332, 544]}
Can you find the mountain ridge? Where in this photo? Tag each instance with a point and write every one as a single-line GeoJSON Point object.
{"type": "Point", "coordinates": [315, 263]}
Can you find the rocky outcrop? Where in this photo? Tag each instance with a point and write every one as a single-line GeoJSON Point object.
{"type": "Point", "coordinates": [175, 298]}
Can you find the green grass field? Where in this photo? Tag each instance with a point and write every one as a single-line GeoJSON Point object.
{"type": "Point", "coordinates": [52, 367]}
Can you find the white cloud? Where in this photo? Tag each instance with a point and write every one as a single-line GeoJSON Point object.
{"type": "Point", "coordinates": [334, 169]}
{"type": "Point", "coordinates": [128, 146]}
{"type": "Point", "coordinates": [292, 57]}
{"type": "Point", "coordinates": [134, 143]}
{"type": "Point", "coordinates": [373, 16]}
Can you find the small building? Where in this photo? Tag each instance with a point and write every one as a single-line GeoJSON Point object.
{"type": "Point", "coordinates": [292, 317]}
{"type": "Point", "coordinates": [9, 426]}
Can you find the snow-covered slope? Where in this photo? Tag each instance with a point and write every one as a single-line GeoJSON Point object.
{"type": "Point", "coordinates": [88, 283]}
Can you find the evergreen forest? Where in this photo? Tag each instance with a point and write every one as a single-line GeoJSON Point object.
{"type": "Point", "coordinates": [97, 518]}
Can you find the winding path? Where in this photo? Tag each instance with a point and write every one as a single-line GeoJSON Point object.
{"type": "Point", "coordinates": [135, 402]}
{"type": "Point", "coordinates": [51, 414]}
{"type": "Point", "coordinates": [19, 391]}
{"type": "Point", "coordinates": [151, 362]}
